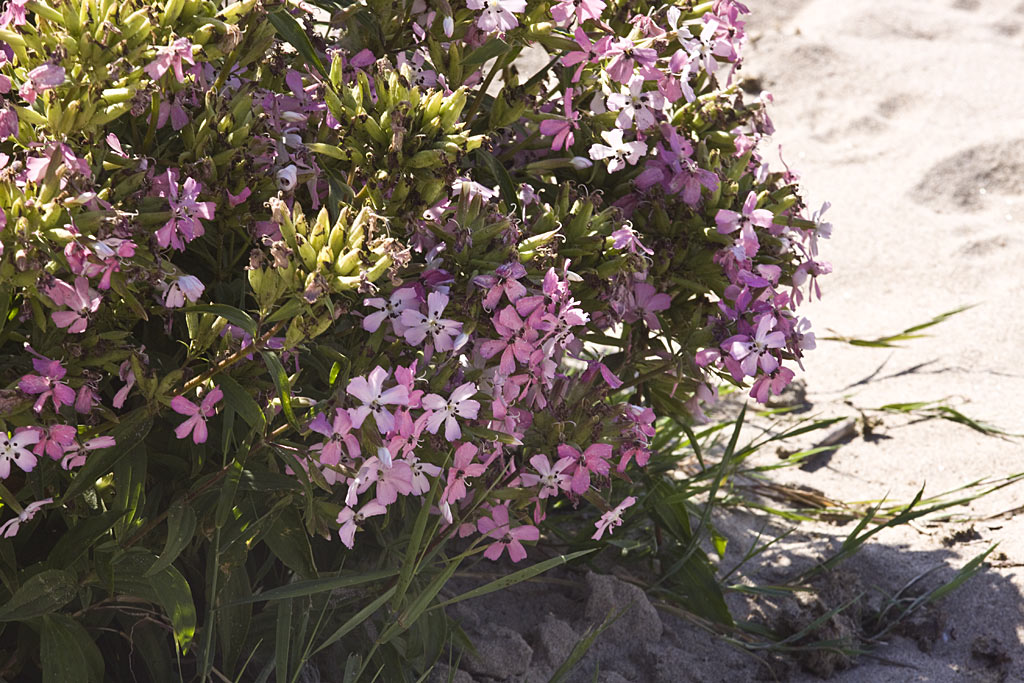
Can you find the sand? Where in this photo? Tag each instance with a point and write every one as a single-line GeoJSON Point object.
{"type": "Point", "coordinates": [909, 118]}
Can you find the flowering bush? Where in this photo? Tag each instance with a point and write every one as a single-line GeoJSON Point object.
{"type": "Point", "coordinates": [288, 297]}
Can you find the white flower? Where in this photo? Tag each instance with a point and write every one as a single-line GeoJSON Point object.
{"type": "Point", "coordinates": [12, 449]}
{"type": "Point", "coordinates": [617, 152]}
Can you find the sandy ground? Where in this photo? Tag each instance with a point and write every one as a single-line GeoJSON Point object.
{"type": "Point", "coordinates": [909, 118]}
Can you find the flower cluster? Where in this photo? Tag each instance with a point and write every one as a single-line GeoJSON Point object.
{"type": "Point", "coordinates": [361, 272]}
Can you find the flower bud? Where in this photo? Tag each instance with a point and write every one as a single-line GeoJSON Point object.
{"type": "Point", "coordinates": [288, 178]}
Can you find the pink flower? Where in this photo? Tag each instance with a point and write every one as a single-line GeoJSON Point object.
{"type": "Point", "coordinates": [171, 57]}
{"type": "Point", "coordinates": [636, 105]}
{"type": "Point", "coordinates": [756, 351]}
{"type": "Point", "coordinates": [626, 56]}
{"type": "Point", "coordinates": [55, 441]}
{"type": "Point", "coordinates": [393, 478]}
{"type": "Point", "coordinates": [185, 287]}
{"type": "Point", "coordinates": [442, 332]}
{"type": "Point", "coordinates": [612, 518]}
{"type": "Point", "coordinates": [497, 14]}
{"type": "Point", "coordinates": [420, 473]}
{"type": "Point", "coordinates": [82, 299]}
{"type": "Point", "coordinates": [579, 10]}
{"type": "Point", "coordinates": [184, 225]}
{"type": "Point", "coordinates": [375, 399]}
{"type": "Point", "coordinates": [550, 479]}
{"type": "Point", "coordinates": [75, 456]}
{"type": "Point", "coordinates": [594, 460]}
{"type": "Point", "coordinates": [562, 129]}
{"type": "Point", "coordinates": [390, 309]}
{"type": "Point", "coordinates": [196, 422]}
{"type": "Point", "coordinates": [445, 410]}
{"type": "Point", "coordinates": [730, 221]}
{"type": "Point", "coordinates": [10, 528]}
{"type": "Point", "coordinates": [13, 449]}
{"type": "Point", "coordinates": [647, 302]}
{"type": "Point", "coordinates": [41, 79]}
{"type": "Point", "coordinates": [589, 52]}
{"type": "Point", "coordinates": [497, 526]}
{"type": "Point", "coordinates": [47, 384]}
{"type": "Point", "coordinates": [338, 432]}
{"type": "Point", "coordinates": [350, 520]}
{"type": "Point", "coordinates": [461, 468]}
{"type": "Point", "coordinates": [14, 14]}
{"type": "Point", "coordinates": [505, 280]}
{"type": "Point", "coordinates": [517, 343]}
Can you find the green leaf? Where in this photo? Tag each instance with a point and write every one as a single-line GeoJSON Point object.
{"type": "Point", "coordinates": [287, 539]}
{"type": "Point", "coordinates": [516, 577]}
{"type": "Point", "coordinates": [181, 527]}
{"type": "Point", "coordinates": [293, 34]}
{"type": "Point", "coordinates": [166, 588]}
{"type": "Point", "coordinates": [415, 543]}
{"type": "Point", "coordinates": [280, 378]}
{"type": "Point", "coordinates": [128, 435]}
{"type": "Point", "coordinates": [505, 185]}
{"type": "Point", "coordinates": [80, 538]}
{"type": "Point", "coordinates": [309, 587]}
{"type": "Point", "coordinates": [357, 619]}
{"type": "Point", "coordinates": [584, 644]}
{"type": "Point", "coordinates": [495, 47]}
{"type": "Point", "coordinates": [242, 402]}
{"type": "Point", "coordinates": [46, 592]}
{"type": "Point", "coordinates": [283, 640]}
{"type": "Point", "coordinates": [67, 652]}
{"type": "Point", "coordinates": [229, 313]}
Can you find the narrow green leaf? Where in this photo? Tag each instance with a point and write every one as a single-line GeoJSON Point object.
{"type": "Point", "coordinates": [173, 594]}
{"type": "Point", "coordinates": [415, 542]}
{"type": "Point", "coordinates": [516, 577]}
{"type": "Point", "coordinates": [293, 34]}
{"type": "Point", "coordinates": [280, 377]}
{"type": "Point", "coordinates": [495, 47]}
{"type": "Point", "coordinates": [357, 619]}
{"type": "Point", "coordinates": [584, 644]}
{"type": "Point", "coordinates": [283, 640]}
{"type": "Point", "coordinates": [229, 313]}
{"type": "Point", "coordinates": [242, 401]}
{"type": "Point", "coordinates": [500, 174]}
{"type": "Point", "coordinates": [46, 592]}
{"type": "Point", "coordinates": [309, 587]}
{"type": "Point", "coordinates": [181, 527]}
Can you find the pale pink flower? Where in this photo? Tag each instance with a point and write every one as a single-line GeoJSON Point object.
{"type": "Point", "coordinates": [171, 57]}
{"type": "Point", "coordinates": [497, 14]}
{"type": "Point", "coordinates": [445, 410]}
{"type": "Point", "coordinates": [13, 449]}
{"type": "Point", "coordinates": [82, 299]}
{"type": "Point", "coordinates": [55, 441]}
{"type": "Point", "coordinates": [197, 415]}
{"type": "Point", "coordinates": [442, 332]}
{"type": "Point", "coordinates": [350, 520]}
{"type": "Point", "coordinates": [755, 351]}
{"type": "Point", "coordinates": [636, 105]}
{"type": "Point", "coordinates": [462, 467]}
{"type": "Point", "coordinates": [370, 390]}
{"type": "Point", "coordinates": [41, 79]}
{"type": "Point", "coordinates": [338, 432]}
{"type": "Point", "coordinates": [390, 309]}
{"type": "Point", "coordinates": [551, 479]}
{"type": "Point", "coordinates": [612, 518]}
{"type": "Point", "coordinates": [566, 11]}
{"type": "Point", "coordinates": [421, 471]}
{"type": "Point", "coordinates": [589, 52]}
{"type": "Point", "coordinates": [186, 287]}
{"type": "Point", "coordinates": [10, 528]}
{"type": "Point", "coordinates": [75, 456]}
{"type": "Point", "coordinates": [184, 225]}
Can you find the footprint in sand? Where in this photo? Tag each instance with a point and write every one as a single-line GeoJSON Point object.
{"type": "Point", "coordinates": [964, 180]}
